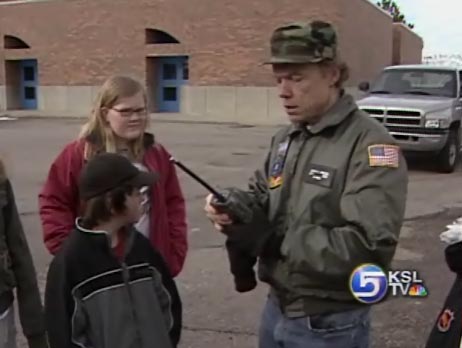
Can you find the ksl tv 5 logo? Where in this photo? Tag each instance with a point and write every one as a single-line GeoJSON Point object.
{"type": "Point", "coordinates": [369, 283]}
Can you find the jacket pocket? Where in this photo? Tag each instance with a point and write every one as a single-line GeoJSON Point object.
{"type": "Point", "coordinates": [317, 204]}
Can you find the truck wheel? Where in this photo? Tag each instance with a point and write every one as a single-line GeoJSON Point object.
{"type": "Point", "coordinates": [449, 156]}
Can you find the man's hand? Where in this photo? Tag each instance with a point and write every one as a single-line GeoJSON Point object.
{"type": "Point", "coordinates": [218, 219]}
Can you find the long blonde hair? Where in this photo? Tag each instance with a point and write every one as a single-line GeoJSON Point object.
{"type": "Point", "coordinates": [111, 91]}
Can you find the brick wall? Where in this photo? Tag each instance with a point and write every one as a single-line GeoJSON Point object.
{"type": "Point", "coordinates": [92, 39]}
{"type": "Point", "coordinates": [407, 46]}
{"type": "Point", "coordinates": [81, 42]}
{"type": "Point", "coordinates": [366, 40]}
{"type": "Point", "coordinates": [230, 51]}
{"type": "Point", "coordinates": [76, 42]}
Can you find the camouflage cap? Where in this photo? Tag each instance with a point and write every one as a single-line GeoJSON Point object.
{"type": "Point", "coordinates": [310, 42]}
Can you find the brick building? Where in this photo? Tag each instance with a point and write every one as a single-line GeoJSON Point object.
{"type": "Point", "coordinates": [200, 57]}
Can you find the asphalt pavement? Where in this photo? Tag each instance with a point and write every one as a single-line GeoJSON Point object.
{"type": "Point", "coordinates": [226, 155]}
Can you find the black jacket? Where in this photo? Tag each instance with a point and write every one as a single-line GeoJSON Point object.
{"type": "Point", "coordinates": [94, 300]}
{"type": "Point", "coordinates": [17, 270]}
{"type": "Point", "coordinates": [447, 330]}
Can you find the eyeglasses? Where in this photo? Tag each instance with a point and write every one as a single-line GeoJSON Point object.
{"type": "Point", "coordinates": [127, 112]}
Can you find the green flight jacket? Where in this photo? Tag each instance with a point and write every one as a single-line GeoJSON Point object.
{"type": "Point", "coordinates": [338, 203]}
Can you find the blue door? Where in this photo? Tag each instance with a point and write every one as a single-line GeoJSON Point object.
{"type": "Point", "coordinates": [29, 84]}
{"type": "Point", "coordinates": [173, 72]}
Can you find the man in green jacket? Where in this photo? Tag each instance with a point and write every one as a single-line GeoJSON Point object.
{"type": "Point", "coordinates": [330, 197]}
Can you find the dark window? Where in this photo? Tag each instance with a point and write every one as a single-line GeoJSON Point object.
{"type": "Point", "coordinates": [169, 72]}
{"type": "Point", "coordinates": [170, 93]}
{"type": "Point", "coordinates": [13, 42]}
{"type": "Point", "coordinates": [417, 81]}
{"type": "Point", "coordinates": [29, 93]}
{"type": "Point", "coordinates": [154, 36]}
{"type": "Point", "coordinates": [29, 73]}
{"type": "Point", "coordinates": [460, 82]}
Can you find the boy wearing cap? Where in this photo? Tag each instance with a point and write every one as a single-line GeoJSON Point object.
{"type": "Point", "coordinates": [107, 287]}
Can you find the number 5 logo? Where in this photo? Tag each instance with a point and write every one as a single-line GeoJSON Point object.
{"type": "Point", "coordinates": [368, 283]}
{"type": "Point", "coordinates": [372, 278]}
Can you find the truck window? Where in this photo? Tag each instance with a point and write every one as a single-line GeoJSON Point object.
{"type": "Point", "coordinates": [460, 83]}
{"type": "Point", "coordinates": [441, 83]}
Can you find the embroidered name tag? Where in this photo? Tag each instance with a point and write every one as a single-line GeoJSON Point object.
{"type": "Point", "coordinates": [381, 155]}
{"type": "Point", "coordinates": [320, 175]}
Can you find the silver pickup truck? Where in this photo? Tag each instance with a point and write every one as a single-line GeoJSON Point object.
{"type": "Point", "coordinates": [421, 106]}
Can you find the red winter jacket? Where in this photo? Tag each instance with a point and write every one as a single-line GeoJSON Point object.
{"type": "Point", "coordinates": [59, 202]}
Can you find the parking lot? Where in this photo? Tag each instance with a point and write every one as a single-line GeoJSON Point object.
{"type": "Point", "coordinates": [214, 315]}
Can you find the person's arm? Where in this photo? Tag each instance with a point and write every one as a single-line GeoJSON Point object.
{"type": "Point", "coordinates": [258, 235]}
{"type": "Point", "coordinates": [58, 305]}
{"type": "Point", "coordinates": [176, 212]}
{"type": "Point", "coordinates": [58, 199]}
{"type": "Point", "coordinates": [372, 206]}
{"type": "Point", "coordinates": [169, 298]}
{"type": "Point", "coordinates": [29, 301]}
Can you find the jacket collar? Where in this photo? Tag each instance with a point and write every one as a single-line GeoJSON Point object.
{"type": "Point", "coordinates": [103, 238]}
{"type": "Point", "coordinates": [95, 139]}
{"type": "Point", "coordinates": [343, 108]}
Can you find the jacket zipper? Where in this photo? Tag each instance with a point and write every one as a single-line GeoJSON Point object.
{"type": "Point", "coordinates": [295, 165]}
{"type": "Point", "coordinates": [126, 279]}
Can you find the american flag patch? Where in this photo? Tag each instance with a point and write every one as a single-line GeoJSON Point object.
{"type": "Point", "coordinates": [383, 156]}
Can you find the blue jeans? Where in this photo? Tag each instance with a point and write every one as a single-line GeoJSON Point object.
{"type": "Point", "coordinates": [339, 330]}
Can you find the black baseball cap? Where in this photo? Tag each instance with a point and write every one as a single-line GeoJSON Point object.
{"type": "Point", "coordinates": [107, 171]}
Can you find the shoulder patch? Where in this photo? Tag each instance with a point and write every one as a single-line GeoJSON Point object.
{"type": "Point", "coordinates": [445, 320]}
{"type": "Point", "coordinates": [275, 179]}
{"type": "Point", "coordinates": [383, 155]}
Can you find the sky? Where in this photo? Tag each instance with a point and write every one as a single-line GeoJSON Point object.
{"type": "Point", "coordinates": [438, 22]}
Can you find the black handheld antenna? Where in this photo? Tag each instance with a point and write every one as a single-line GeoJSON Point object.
{"type": "Point", "coordinates": [218, 195]}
